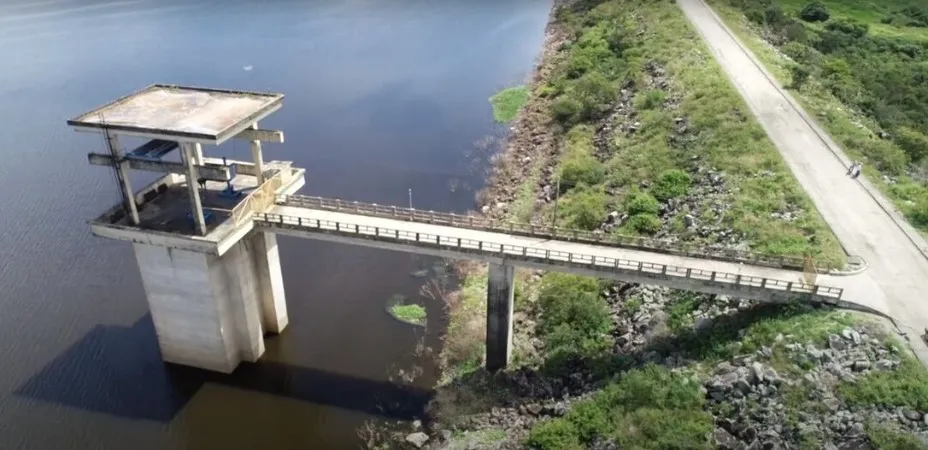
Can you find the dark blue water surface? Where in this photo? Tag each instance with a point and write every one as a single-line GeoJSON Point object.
{"type": "Point", "coordinates": [381, 96]}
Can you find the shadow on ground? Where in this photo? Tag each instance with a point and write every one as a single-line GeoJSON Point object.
{"type": "Point", "coordinates": [118, 371]}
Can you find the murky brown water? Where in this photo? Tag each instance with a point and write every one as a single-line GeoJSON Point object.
{"type": "Point", "coordinates": [382, 96]}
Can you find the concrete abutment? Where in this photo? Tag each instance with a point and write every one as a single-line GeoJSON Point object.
{"type": "Point", "coordinates": [500, 296]}
{"type": "Point", "coordinates": [209, 311]}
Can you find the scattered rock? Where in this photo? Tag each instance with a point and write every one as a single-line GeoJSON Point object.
{"type": "Point", "coordinates": [417, 439]}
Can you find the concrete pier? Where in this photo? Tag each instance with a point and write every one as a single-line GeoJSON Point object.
{"type": "Point", "coordinates": [500, 296]}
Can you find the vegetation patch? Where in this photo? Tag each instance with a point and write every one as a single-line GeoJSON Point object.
{"type": "Point", "coordinates": [407, 312]}
{"type": "Point", "coordinates": [655, 132]}
{"type": "Point", "coordinates": [507, 103]}
{"type": "Point", "coordinates": [859, 67]}
{"type": "Point", "coordinates": [648, 408]}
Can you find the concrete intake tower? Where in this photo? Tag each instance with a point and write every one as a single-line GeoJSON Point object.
{"type": "Point", "coordinates": [213, 282]}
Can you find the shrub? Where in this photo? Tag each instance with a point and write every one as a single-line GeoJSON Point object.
{"type": "Point", "coordinates": [919, 214]}
{"type": "Point", "coordinates": [848, 27]}
{"type": "Point", "coordinates": [642, 203]}
{"type": "Point", "coordinates": [585, 209]}
{"type": "Point", "coordinates": [581, 169]}
{"type": "Point", "coordinates": [914, 143]}
{"type": "Point", "coordinates": [595, 93]}
{"type": "Point", "coordinates": [645, 223]}
{"type": "Point", "coordinates": [648, 408]}
{"type": "Point", "coordinates": [802, 53]}
{"type": "Point", "coordinates": [671, 184]}
{"type": "Point", "coordinates": [814, 12]}
{"type": "Point", "coordinates": [887, 157]}
{"type": "Point", "coordinates": [557, 434]}
{"type": "Point", "coordinates": [887, 437]}
{"type": "Point", "coordinates": [795, 32]}
{"type": "Point", "coordinates": [566, 110]}
{"type": "Point", "coordinates": [800, 75]}
{"type": "Point", "coordinates": [575, 320]}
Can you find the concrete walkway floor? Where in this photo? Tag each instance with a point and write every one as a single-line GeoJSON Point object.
{"type": "Point", "coordinates": [861, 217]}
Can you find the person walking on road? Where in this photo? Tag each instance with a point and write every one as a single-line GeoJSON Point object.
{"type": "Point", "coordinates": [854, 170]}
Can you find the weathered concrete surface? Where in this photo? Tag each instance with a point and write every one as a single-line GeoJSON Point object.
{"type": "Point", "coordinates": [500, 296]}
{"type": "Point", "coordinates": [204, 307]}
{"type": "Point", "coordinates": [898, 275]}
{"type": "Point", "coordinates": [270, 282]}
{"type": "Point", "coordinates": [181, 113]}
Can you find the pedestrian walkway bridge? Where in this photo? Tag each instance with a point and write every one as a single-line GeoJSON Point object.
{"type": "Point", "coordinates": [725, 272]}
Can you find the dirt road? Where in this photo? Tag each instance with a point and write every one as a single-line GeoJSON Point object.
{"type": "Point", "coordinates": [898, 272]}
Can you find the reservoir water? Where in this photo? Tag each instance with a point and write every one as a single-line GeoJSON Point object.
{"type": "Point", "coordinates": [382, 96]}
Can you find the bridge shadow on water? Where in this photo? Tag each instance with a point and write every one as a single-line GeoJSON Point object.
{"type": "Point", "coordinates": [118, 371]}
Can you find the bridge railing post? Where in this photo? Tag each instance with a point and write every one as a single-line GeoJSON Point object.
{"type": "Point", "coordinates": [789, 286]}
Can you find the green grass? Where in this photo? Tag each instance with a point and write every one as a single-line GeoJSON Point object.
{"type": "Point", "coordinates": [884, 437]}
{"type": "Point", "coordinates": [722, 134]}
{"type": "Point", "coordinates": [648, 408]}
{"type": "Point", "coordinates": [477, 439]}
{"type": "Point", "coordinates": [508, 102]}
{"type": "Point", "coordinates": [906, 386]}
{"type": "Point", "coordinates": [409, 313]}
{"type": "Point", "coordinates": [854, 125]}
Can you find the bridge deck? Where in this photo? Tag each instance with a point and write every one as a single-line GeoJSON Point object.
{"type": "Point", "coordinates": [592, 256]}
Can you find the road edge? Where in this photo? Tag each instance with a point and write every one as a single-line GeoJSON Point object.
{"type": "Point", "coordinates": [917, 345]}
{"type": "Point", "coordinates": [886, 205]}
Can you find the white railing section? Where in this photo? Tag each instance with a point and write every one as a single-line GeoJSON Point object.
{"type": "Point", "coordinates": [546, 256]}
{"type": "Point", "coordinates": [542, 231]}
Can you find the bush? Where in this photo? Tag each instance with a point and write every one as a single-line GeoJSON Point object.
{"type": "Point", "coordinates": [649, 408]}
{"type": "Point", "coordinates": [574, 318]}
{"type": "Point", "coordinates": [566, 110]}
{"type": "Point", "coordinates": [814, 12]}
{"type": "Point", "coordinates": [595, 93]}
{"type": "Point", "coordinates": [585, 209]}
{"type": "Point", "coordinates": [887, 437]}
{"type": "Point", "coordinates": [800, 75]}
{"type": "Point", "coordinates": [914, 143]}
{"type": "Point", "coordinates": [642, 203]}
{"type": "Point", "coordinates": [581, 169]}
{"type": "Point", "coordinates": [802, 53]}
{"type": "Point", "coordinates": [919, 214]}
{"type": "Point", "coordinates": [671, 184]}
{"type": "Point", "coordinates": [645, 223]}
{"type": "Point", "coordinates": [887, 157]}
{"type": "Point", "coordinates": [554, 434]}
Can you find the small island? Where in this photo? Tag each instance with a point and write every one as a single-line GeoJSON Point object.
{"type": "Point", "coordinates": [410, 313]}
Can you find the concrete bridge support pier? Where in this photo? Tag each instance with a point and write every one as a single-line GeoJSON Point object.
{"type": "Point", "coordinates": [211, 311]}
{"type": "Point", "coordinates": [500, 295]}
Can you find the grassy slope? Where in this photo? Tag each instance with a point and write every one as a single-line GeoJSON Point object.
{"type": "Point", "coordinates": [851, 129]}
{"type": "Point", "coordinates": [727, 138]}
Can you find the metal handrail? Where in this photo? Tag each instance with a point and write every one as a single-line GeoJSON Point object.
{"type": "Point", "coordinates": [543, 231]}
{"type": "Point", "coordinates": [258, 200]}
{"type": "Point", "coordinates": [547, 256]}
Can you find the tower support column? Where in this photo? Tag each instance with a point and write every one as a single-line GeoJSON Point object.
{"type": "Point", "coordinates": [500, 295]}
{"type": "Point", "coordinates": [188, 154]}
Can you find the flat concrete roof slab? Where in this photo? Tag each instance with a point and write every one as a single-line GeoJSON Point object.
{"type": "Point", "coordinates": [181, 113]}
